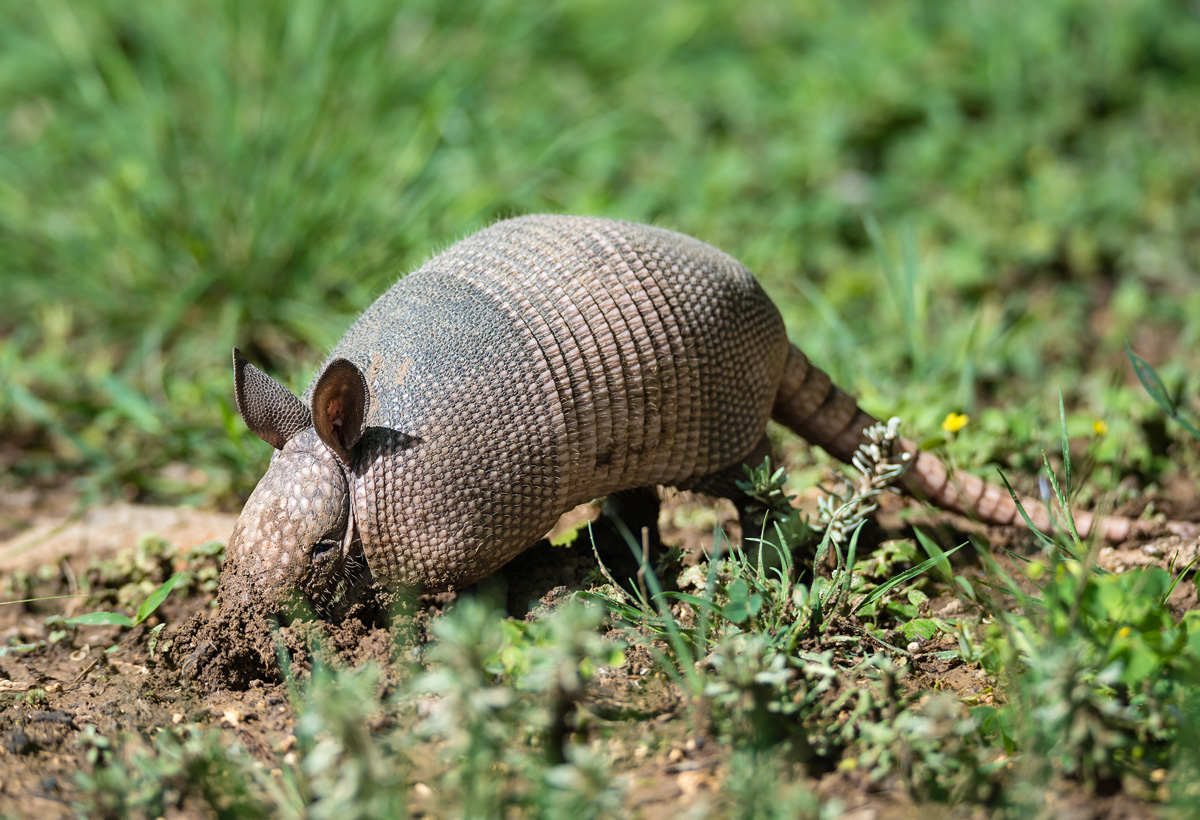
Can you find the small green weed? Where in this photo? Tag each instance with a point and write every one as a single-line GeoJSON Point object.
{"type": "Point", "coordinates": [127, 578]}
{"type": "Point", "coordinates": [522, 727]}
{"type": "Point", "coordinates": [343, 767]}
{"type": "Point", "coordinates": [761, 786]}
{"type": "Point", "coordinates": [144, 611]}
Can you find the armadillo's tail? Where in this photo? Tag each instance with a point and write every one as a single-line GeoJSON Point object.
{"type": "Point", "coordinates": [810, 404]}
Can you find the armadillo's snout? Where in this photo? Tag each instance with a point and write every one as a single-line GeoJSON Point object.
{"type": "Point", "coordinates": [294, 534]}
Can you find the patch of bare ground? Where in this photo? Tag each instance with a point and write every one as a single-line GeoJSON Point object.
{"type": "Point", "coordinates": [98, 533]}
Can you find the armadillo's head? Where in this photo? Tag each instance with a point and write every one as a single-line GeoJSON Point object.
{"type": "Point", "coordinates": [296, 540]}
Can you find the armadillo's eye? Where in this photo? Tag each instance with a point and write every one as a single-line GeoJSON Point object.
{"type": "Point", "coordinates": [324, 545]}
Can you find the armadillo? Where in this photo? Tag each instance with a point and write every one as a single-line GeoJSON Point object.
{"type": "Point", "coordinates": [538, 364]}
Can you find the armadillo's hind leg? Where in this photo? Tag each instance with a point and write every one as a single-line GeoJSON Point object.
{"type": "Point", "coordinates": [622, 545]}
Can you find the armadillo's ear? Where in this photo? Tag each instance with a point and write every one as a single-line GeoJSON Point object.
{"type": "Point", "coordinates": [269, 409]}
{"type": "Point", "coordinates": [339, 405]}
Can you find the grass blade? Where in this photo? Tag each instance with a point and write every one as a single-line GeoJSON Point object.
{"type": "Point", "coordinates": [1066, 451]}
{"type": "Point", "coordinates": [883, 589]}
{"type": "Point", "coordinates": [101, 619]}
{"type": "Point", "coordinates": [1157, 390]}
{"type": "Point", "coordinates": [157, 597]}
{"type": "Point", "coordinates": [1045, 539]}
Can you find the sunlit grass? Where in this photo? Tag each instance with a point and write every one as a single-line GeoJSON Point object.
{"type": "Point", "coordinates": [180, 177]}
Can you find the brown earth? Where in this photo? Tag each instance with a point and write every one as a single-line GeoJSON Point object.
{"type": "Point", "coordinates": [59, 685]}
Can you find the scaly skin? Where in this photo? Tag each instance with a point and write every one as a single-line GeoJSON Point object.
{"type": "Point", "coordinates": [542, 362]}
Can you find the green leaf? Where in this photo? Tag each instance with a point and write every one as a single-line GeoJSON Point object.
{"type": "Point", "coordinates": [101, 619]}
{"type": "Point", "coordinates": [965, 588]}
{"type": "Point", "coordinates": [1045, 539]}
{"type": "Point", "coordinates": [1150, 380]}
{"type": "Point", "coordinates": [1066, 451]}
{"type": "Point", "coordinates": [923, 628]}
{"type": "Point", "coordinates": [755, 604]}
{"type": "Point", "coordinates": [20, 647]}
{"type": "Point", "coordinates": [1158, 390]}
{"type": "Point", "coordinates": [569, 536]}
{"type": "Point", "coordinates": [941, 567]}
{"type": "Point", "coordinates": [157, 597]}
{"type": "Point", "coordinates": [738, 608]}
{"type": "Point", "coordinates": [916, 597]}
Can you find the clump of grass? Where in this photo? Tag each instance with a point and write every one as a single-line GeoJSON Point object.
{"type": "Point", "coordinates": [752, 651]}
{"type": "Point", "coordinates": [761, 590]}
{"type": "Point", "coordinates": [1098, 672]}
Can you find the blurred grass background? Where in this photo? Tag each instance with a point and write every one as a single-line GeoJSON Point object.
{"type": "Point", "coordinates": [959, 206]}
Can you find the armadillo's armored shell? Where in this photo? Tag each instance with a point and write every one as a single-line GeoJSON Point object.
{"type": "Point", "coordinates": [542, 362]}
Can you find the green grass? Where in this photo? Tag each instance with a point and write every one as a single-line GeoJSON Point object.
{"type": "Point", "coordinates": [956, 206]}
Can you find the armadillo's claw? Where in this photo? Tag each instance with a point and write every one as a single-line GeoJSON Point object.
{"type": "Point", "coordinates": [192, 663]}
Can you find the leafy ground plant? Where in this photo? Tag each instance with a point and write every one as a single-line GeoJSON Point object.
{"type": "Point", "coordinates": [144, 610]}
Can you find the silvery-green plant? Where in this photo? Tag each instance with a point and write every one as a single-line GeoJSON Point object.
{"type": "Point", "coordinates": [879, 467]}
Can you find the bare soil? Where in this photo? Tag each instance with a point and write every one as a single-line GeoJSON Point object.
{"type": "Point", "coordinates": [221, 672]}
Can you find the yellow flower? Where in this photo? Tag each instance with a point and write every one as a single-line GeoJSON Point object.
{"type": "Point", "coordinates": [955, 422]}
{"type": "Point", "coordinates": [1099, 427]}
